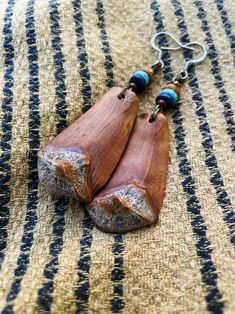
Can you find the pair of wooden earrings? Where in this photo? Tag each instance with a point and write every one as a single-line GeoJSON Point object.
{"type": "Point", "coordinates": [111, 159]}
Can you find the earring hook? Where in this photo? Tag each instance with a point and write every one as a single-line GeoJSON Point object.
{"type": "Point", "coordinates": [159, 49]}
{"type": "Point", "coordinates": [200, 58]}
{"type": "Point", "coordinates": [184, 73]}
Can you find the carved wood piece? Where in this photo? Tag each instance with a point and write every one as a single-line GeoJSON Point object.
{"type": "Point", "coordinates": [80, 160]}
{"type": "Point", "coordinates": [134, 194]}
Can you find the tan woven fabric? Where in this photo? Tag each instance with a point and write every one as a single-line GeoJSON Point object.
{"type": "Point", "coordinates": [58, 57]}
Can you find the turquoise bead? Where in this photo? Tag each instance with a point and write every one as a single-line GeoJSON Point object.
{"type": "Point", "coordinates": [170, 97]}
{"type": "Point", "coordinates": [171, 93]}
{"type": "Point", "coordinates": [144, 75]}
{"type": "Point", "coordinates": [141, 81]}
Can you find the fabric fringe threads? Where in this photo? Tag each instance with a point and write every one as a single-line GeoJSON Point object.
{"type": "Point", "coordinates": [57, 58]}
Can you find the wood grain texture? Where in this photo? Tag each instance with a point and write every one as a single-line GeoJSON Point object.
{"type": "Point", "coordinates": [80, 160]}
{"type": "Point", "coordinates": [134, 194]}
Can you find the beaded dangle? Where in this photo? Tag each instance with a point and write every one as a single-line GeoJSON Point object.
{"type": "Point", "coordinates": [134, 194]}
{"type": "Point", "coordinates": [170, 94]}
{"type": "Point", "coordinates": [141, 79]}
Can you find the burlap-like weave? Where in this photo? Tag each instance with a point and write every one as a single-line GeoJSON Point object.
{"type": "Point", "coordinates": [57, 57]}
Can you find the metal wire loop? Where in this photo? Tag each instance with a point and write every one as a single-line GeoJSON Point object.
{"type": "Point", "coordinates": [184, 74]}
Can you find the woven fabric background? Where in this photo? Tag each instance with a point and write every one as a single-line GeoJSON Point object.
{"type": "Point", "coordinates": [57, 57]}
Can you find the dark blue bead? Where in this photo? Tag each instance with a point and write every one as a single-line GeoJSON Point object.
{"type": "Point", "coordinates": [170, 92]}
{"type": "Point", "coordinates": [139, 82]}
{"type": "Point", "coordinates": [170, 103]}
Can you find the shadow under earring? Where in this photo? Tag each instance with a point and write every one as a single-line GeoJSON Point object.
{"type": "Point", "coordinates": [134, 194]}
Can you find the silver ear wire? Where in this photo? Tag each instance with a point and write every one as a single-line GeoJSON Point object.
{"type": "Point", "coordinates": [184, 74]}
{"type": "Point", "coordinates": [159, 49]}
{"type": "Point", "coordinates": [200, 58]}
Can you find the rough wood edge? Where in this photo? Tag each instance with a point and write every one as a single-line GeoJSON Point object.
{"type": "Point", "coordinates": [65, 173]}
{"type": "Point", "coordinates": [122, 210]}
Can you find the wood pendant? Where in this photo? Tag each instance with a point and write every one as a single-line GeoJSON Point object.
{"type": "Point", "coordinates": [134, 194]}
{"type": "Point", "coordinates": [80, 160]}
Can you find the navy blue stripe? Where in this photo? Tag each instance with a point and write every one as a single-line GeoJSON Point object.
{"type": "Point", "coordinates": [82, 55]}
{"type": "Point", "coordinates": [207, 143]}
{"type": "Point", "coordinates": [108, 64]}
{"type": "Point", "coordinates": [216, 71]}
{"type": "Point", "coordinates": [5, 168]}
{"type": "Point", "coordinates": [60, 90]}
{"type": "Point", "coordinates": [45, 297]}
{"type": "Point", "coordinates": [203, 246]}
{"type": "Point", "coordinates": [83, 265]}
{"type": "Point", "coordinates": [117, 302]}
{"type": "Point", "coordinates": [227, 26]}
{"type": "Point", "coordinates": [33, 144]}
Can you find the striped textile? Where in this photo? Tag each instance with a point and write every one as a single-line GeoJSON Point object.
{"type": "Point", "coordinates": [57, 57]}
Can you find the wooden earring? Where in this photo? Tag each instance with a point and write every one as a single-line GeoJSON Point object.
{"type": "Point", "coordinates": [134, 194]}
{"type": "Point", "coordinates": [80, 160]}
